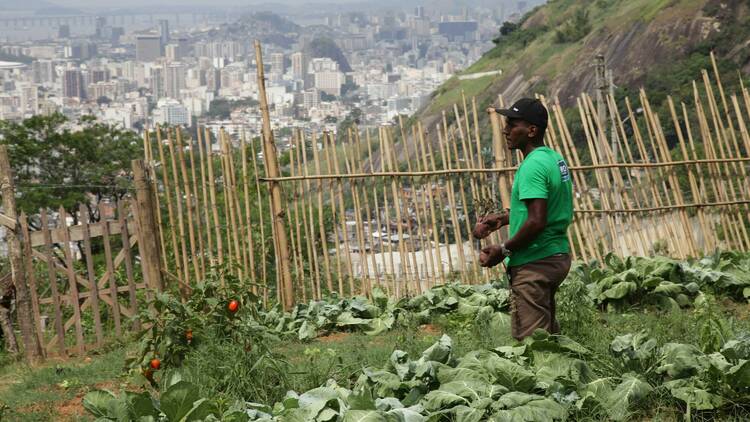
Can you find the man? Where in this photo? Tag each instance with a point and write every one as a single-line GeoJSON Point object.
{"type": "Point", "coordinates": [541, 209]}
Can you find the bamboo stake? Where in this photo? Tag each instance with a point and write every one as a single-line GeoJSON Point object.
{"type": "Point", "coordinates": [720, 130]}
{"type": "Point", "coordinates": [310, 230]}
{"type": "Point", "coordinates": [311, 255]}
{"type": "Point", "coordinates": [433, 219]}
{"type": "Point", "coordinates": [321, 226]}
{"type": "Point", "coordinates": [180, 218]}
{"type": "Point", "coordinates": [715, 172]}
{"type": "Point", "coordinates": [248, 219]}
{"type": "Point", "coordinates": [442, 142]}
{"type": "Point", "coordinates": [155, 188]}
{"type": "Point", "coordinates": [214, 205]}
{"type": "Point", "coordinates": [197, 207]}
{"type": "Point", "coordinates": [379, 222]}
{"type": "Point", "coordinates": [335, 212]}
{"type": "Point", "coordinates": [170, 209]}
{"type": "Point", "coordinates": [365, 288]}
{"type": "Point", "coordinates": [189, 199]}
{"type": "Point", "coordinates": [342, 214]}
{"type": "Point", "coordinates": [259, 200]}
{"type": "Point", "coordinates": [402, 250]}
{"type": "Point", "coordinates": [409, 257]}
{"type": "Point", "coordinates": [204, 193]}
{"type": "Point", "coordinates": [232, 204]}
{"type": "Point", "coordinates": [273, 170]}
{"type": "Point", "coordinates": [461, 188]}
{"type": "Point", "coordinates": [421, 210]}
{"type": "Point", "coordinates": [442, 208]}
{"type": "Point", "coordinates": [227, 197]}
{"type": "Point", "coordinates": [368, 214]}
{"type": "Point", "coordinates": [297, 242]}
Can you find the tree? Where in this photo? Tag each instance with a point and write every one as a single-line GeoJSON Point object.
{"type": "Point", "coordinates": [508, 27]}
{"type": "Point", "coordinates": [55, 165]}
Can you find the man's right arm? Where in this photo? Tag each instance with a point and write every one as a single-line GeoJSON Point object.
{"type": "Point", "coordinates": [490, 223]}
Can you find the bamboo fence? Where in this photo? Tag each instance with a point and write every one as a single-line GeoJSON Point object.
{"type": "Point", "coordinates": [394, 206]}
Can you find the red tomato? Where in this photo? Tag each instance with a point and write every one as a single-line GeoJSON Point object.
{"type": "Point", "coordinates": [233, 306]}
{"type": "Point", "coordinates": [155, 364]}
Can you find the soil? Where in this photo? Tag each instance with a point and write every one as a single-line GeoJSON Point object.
{"type": "Point", "coordinates": [71, 410]}
{"type": "Point", "coordinates": [333, 337]}
{"type": "Point", "coordinates": [429, 329]}
{"type": "Point", "coordinates": [739, 310]}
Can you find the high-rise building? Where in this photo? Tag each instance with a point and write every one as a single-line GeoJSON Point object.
{"type": "Point", "coordinates": [29, 98]}
{"type": "Point", "coordinates": [157, 82]}
{"type": "Point", "coordinates": [99, 75]}
{"type": "Point", "coordinates": [213, 79]}
{"type": "Point", "coordinates": [172, 52]}
{"type": "Point", "coordinates": [147, 47]}
{"type": "Point", "coordinates": [164, 31]}
{"type": "Point", "coordinates": [419, 11]}
{"type": "Point", "coordinates": [80, 49]}
{"type": "Point", "coordinates": [100, 24]}
{"type": "Point", "coordinates": [171, 112]}
{"type": "Point", "coordinates": [73, 84]}
{"type": "Point", "coordinates": [311, 98]}
{"type": "Point", "coordinates": [43, 71]}
{"type": "Point", "coordinates": [277, 63]}
{"type": "Point", "coordinates": [174, 79]}
{"type": "Point", "coordinates": [299, 65]}
{"type": "Point", "coordinates": [63, 31]}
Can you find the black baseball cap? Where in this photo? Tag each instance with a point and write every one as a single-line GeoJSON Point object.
{"type": "Point", "coordinates": [528, 109]}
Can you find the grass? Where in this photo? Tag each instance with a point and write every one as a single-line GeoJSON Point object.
{"type": "Point", "coordinates": [53, 392]}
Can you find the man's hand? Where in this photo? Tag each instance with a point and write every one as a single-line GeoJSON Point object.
{"type": "Point", "coordinates": [491, 110]}
{"type": "Point", "coordinates": [489, 223]}
{"type": "Point", "coordinates": [490, 256]}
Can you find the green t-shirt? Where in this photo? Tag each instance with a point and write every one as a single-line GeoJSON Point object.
{"type": "Point", "coordinates": [542, 174]}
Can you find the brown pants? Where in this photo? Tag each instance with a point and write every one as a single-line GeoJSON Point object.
{"type": "Point", "coordinates": [533, 287]}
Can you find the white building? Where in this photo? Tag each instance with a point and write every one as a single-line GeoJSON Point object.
{"type": "Point", "coordinates": [171, 112]}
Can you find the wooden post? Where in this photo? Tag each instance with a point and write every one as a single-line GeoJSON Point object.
{"type": "Point", "coordinates": [93, 287]}
{"type": "Point", "coordinates": [72, 282]}
{"type": "Point", "coordinates": [29, 266]}
{"type": "Point", "coordinates": [111, 273]}
{"type": "Point", "coordinates": [32, 348]}
{"type": "Point", "coordinates": [269, 155]}
{"type": "Point", "coordinates": [56, 299]}
{"type": "Point", "coordinates": [148, 243]}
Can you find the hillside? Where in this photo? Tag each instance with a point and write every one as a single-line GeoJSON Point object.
{"type": "Point", "coordinates": [658, 44]}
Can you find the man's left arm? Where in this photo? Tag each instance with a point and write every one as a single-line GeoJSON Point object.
{"type": "Point", "coordinates": [492, 255]}
{"type": "Point", "coordinates": [532, 227]}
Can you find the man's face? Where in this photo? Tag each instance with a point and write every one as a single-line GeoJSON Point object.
{"type": "Point", "coordinates": [518, 133]}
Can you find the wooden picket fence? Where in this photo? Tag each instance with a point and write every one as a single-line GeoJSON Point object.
{"type": "Point", "coordinates": [394, 207]}
{"type": "Point", "coordinates": [75, 305]}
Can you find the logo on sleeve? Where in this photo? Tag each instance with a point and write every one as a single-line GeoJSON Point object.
{"type": "Point", "coordinates": [564, 173]}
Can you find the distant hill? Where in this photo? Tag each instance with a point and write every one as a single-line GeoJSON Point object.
{"type": "Point", "coordinates": [268, 27]}
{"type": "Point", "coordinates": [326, 47]}
{"type": "Point", "coordinates": [25, 4]}
{"type": "Point", "coordinates": [658, 44]}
